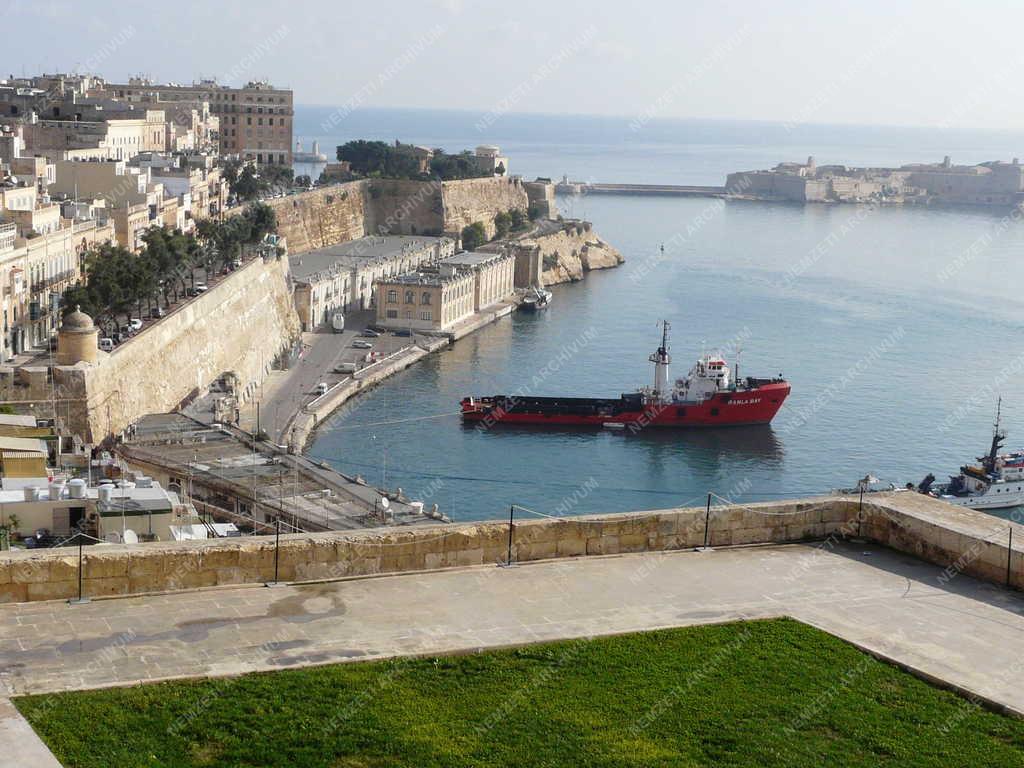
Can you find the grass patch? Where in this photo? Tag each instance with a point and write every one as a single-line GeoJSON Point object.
{"type": "Point", "coordinates": [766, 693]}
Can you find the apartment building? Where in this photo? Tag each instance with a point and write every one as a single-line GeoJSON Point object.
{"type": "Point", "coordinates": [255, 120]}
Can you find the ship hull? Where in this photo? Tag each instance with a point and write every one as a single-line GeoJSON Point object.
{"type": "Point", "coordinates": [724, 409]}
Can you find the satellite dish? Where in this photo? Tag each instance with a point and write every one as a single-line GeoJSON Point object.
{"type": "Point", "coordinates": [385, 502]}
{"type": "Point", "coordinates": [113, 537]}
{"type": "Point", "coordinates": [131, 537]}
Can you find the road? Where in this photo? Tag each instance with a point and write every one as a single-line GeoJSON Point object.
{"type": "Point", "coordinates": [286, 392]}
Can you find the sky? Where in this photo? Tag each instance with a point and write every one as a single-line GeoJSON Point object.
{"type": "Point", "coordinates": [916, 62]}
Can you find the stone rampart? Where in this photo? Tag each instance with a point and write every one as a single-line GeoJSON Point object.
{"type": "Point", "coordinates": [961, 540]}
{"type": "Point", "coordinates": [479, 200]}
{"type": "Point", "coordinates": [239, 326]}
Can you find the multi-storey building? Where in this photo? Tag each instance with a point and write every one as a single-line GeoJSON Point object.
{"type": "Point", "coordinates": [341, 278]}
{"type": "Point", "coordinates": [255, 121]}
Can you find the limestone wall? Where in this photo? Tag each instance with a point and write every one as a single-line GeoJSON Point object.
{"type": "Point", "coordinates": [471, 200]}
{"type": "Point", "coordinates": [571, 251]}
{"type": "Point", "coordinates": [323, 216]}
{"type": "Point", "coordinates": [240, 325]}
{"type": "Point", "coordinates": [962, 541]}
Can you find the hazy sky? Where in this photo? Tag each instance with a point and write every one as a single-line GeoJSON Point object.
{"type": "Point", "coordinates": [923, 62]}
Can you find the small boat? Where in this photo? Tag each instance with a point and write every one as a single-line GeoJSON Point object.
{"type": "Point", "coordinates": [997, 482]}
{"type": "Point", "coordinates": [537, 299]}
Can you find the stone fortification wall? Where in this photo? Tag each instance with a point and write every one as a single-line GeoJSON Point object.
{"type": "Point", "coordinates": [961, 540]}
{"type": "Point", "coordinates": [571, 251]}
{"type": "Point", "coordinates": [240, 326]}
{"type": "Point", "coordinates": [323, 216]}
{"type": "Point", "coordinates": [471, 200]}
{"type": "Point", "coordinates": [348, 211]}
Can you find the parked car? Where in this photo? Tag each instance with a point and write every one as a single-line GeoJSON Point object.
{"type": "Point", "coordinates": [106, 344]}
{"type": "Point", "coordinates": [346, 368]}
{"type": "Point", "coordinates": [135, 324]}
{"type": "Point", "coordinates": [321, 388]}
{"type": "Point", "coordinates": [403, 332]}
{"type": "Point", "coordinates": [156, 313]}
{"type": "Point", "coordinates": [370, 333]}
{"type": "Point", "coordinates": [360, 344]}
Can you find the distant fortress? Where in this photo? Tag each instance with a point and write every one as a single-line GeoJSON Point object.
{"type": "Point", "coordinates": [993, 183]}
{"type": "Point", "coordinates": [996, 184]}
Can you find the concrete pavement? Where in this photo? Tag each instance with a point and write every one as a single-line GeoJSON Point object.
{"type": "Point", "coordinates": [961, 631]}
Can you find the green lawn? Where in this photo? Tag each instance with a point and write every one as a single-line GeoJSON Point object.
{"type": "Point", "coordinates": [769, 693]}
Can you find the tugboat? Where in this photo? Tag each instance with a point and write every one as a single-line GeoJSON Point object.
{"type": "Point", "coordinates": [708, 397]}
{"type": "Point", "coordinates": [997, 483]}
{"type": "Point", "coordinates": [537, 299]}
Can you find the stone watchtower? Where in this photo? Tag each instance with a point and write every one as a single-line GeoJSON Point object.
{"type": "Point", "coordinates": [76, 339]}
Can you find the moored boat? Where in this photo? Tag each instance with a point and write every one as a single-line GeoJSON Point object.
{"type": "Point", "coordinates": [536, 300]}
{"type": "Point", "coordinates": [710, 396]}
{"type": "Point", "coordinates": [996, 482]}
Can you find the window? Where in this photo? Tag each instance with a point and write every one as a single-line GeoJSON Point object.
{"type": "Point", "coordinates": [392, 297]}
{"type": "Point", "coordinates": [409, 297]}
{"type": "Point", "coordinates": [426, 315]}
{"type": "Point", "coordinates": [426, 301]}
{"type": "Point", "coordinates": [408, 314]}
{"type": "Point", "coordinates": [392, 314]}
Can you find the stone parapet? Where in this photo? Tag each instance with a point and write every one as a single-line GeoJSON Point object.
{"type": "Point", "coordinates": [962, 540]}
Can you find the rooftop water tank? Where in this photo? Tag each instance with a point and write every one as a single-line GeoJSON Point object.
{"type": "Point", "coordinates": [56, 489]}
{"type": "Point", "coordinates": [76, 488]}
{"type": "Point", "coordinates": [142, 481]}
{"type": "Point", "coordinates": [31, 493]}
{"type": "Point", "coordinates": [106, 493]}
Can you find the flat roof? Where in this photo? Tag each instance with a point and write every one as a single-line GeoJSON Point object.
{"type": "Point", "coordinates": [31, 444]}
{"type": "Point", "coordinates": [423, 278]}
{"type": "Point", "coordinates": [474, 258]}
{"type": "Point", "coordinates": [365, 250]}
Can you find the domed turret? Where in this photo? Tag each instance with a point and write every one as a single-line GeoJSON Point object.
{"type": "Point", "coordinates": [76, 339]}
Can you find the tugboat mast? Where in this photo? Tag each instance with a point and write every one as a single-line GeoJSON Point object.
{"type": "Point", "coordinates": [661, 359]}
{"type": "Point", "coordinates": [989, 462]}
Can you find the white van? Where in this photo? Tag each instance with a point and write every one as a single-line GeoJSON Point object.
{"type": "Point", "coordinates": [321, 388]}
{"type": "Point", "coordinates": [107, 345]}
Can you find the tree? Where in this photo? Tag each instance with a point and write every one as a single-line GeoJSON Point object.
{"type": "Point", "coordinates": [502, 224]}
{"type": "Point", "coordinates": [303, 181]}
{"type": "Point", "coordinates": [365, 157]}
{"type": "Point", "coordinates": [517, 217]}
{"type": "Point", "coordinates": [473, 236]}
{"type": "Point", "coordinates": [247, 186]}
{"type": "Point", "coordinates": [500, 170]}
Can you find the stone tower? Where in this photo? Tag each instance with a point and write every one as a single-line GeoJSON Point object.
{"type": "Point", "coordinates": [76, 339]}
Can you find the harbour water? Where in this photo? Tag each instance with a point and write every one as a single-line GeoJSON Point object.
{"type": "Point", "coordinates": [898, 329]}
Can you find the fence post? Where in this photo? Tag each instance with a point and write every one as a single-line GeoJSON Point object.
{"type": "Point", "coordinates": [707, 522]}
{"type": "Point", "coordinates": [277, 554]}
{"type": "Point", "coordinates": [511, 515]}
{"type": "Point", "coordinates": [860, 515]}
{"type": "Point", "coordinates": [80, 600]}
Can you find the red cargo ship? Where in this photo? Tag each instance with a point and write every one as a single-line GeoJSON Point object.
{"type": "Point", "coordinates": [708, 397]}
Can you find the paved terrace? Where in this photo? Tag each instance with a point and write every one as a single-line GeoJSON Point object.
{"type": "Point", "coordinates": [958, 630]}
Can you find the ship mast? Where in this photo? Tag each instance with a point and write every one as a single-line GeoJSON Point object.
{"type": "Point", "coordinates": [989, 462]}
{"type": "Point", "coordinates": [661, 359]}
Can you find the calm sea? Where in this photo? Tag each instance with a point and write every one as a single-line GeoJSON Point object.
{"type": "Point", "coordinates": [898, 328]}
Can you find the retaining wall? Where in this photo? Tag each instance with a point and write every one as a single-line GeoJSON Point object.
{"type": "Point", "coordinates": [965, 541]}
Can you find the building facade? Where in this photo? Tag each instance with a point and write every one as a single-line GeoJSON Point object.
{"type": "Point", "coordinates": [432, 300]}
{"type": "Point", "coordinates": [254, 121]}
